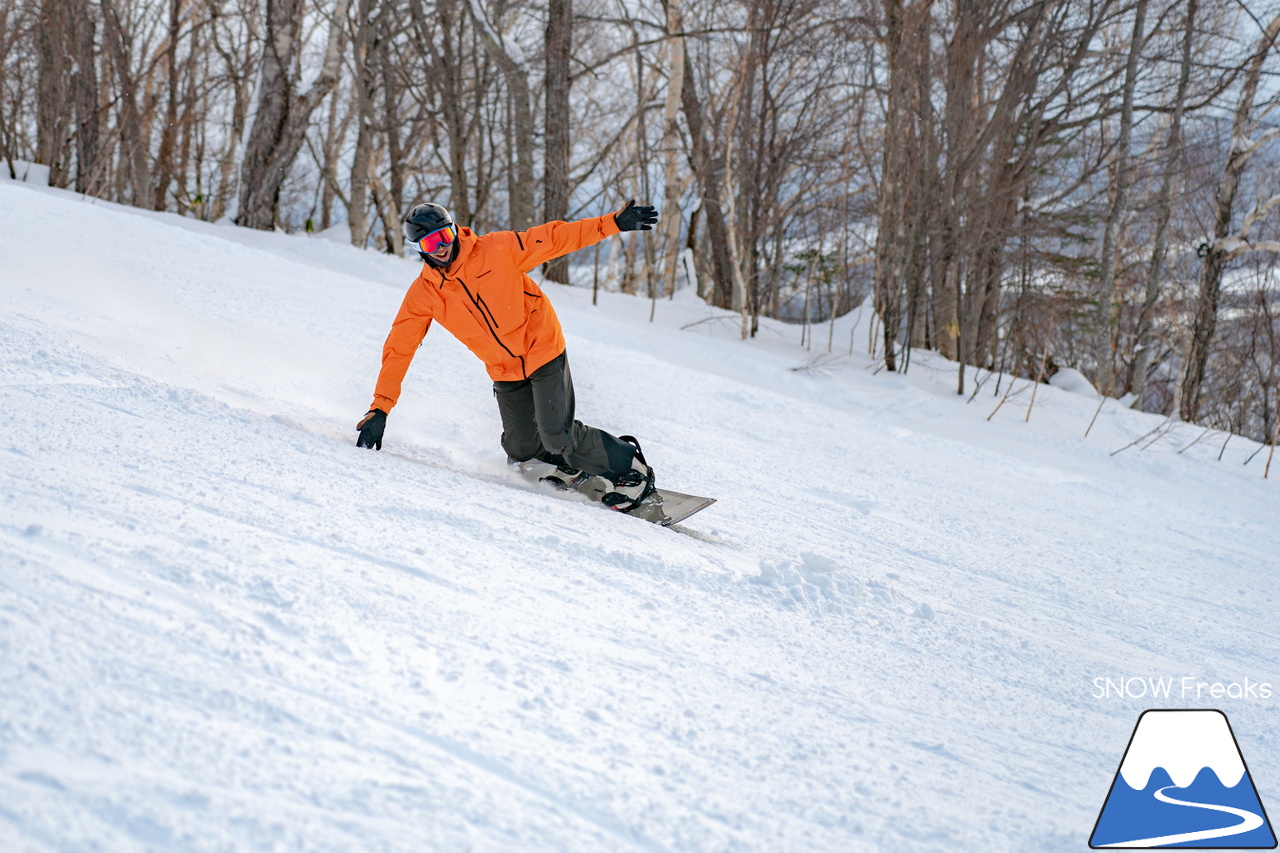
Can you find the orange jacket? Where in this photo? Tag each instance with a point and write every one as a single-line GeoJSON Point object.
{"type": "Point", "coordinates": [486, 300]}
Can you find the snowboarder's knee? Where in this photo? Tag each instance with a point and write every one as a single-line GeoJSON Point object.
{"type": "Point", "coordinates": [520, 448]}
{"type": "Point", "coordinates": [558, 443]}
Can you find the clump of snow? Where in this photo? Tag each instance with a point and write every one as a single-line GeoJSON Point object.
{"type": "Point", "coordinates": [1073, 381]}
{"type": "Point", "coordinates": [25, 172]}
{"type": "Point", "coordinates": [340, 233]}
{"type": "Point", "coordinates": [812, 581]}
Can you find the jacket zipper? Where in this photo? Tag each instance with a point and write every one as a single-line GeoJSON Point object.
{"type": "Point", "coordinates": [485, 307]}
{"type": "Point", "coordinates": [492, 327]}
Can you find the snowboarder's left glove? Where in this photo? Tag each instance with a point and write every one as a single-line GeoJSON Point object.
{"type": "Point", "coordinates": [636, 217]}
{"type": "Point", "coordinates": [371, 427]}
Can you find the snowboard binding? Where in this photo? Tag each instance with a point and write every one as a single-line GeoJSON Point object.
{"type": "Point", "coordinates": [561, 476]}
{"type": "Point", "coordinates": [632, 487]}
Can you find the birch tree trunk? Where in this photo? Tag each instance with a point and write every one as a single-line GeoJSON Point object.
{"type": "Point", "coordinates": [891, 234]}
{"type": "Point", "coordinates": [1173, 152]}
{"type": "Point", "coordinates": [671, 216]}
{"type": "Point", "coordinates": [720, 291]}
{"type": "Point", "coordinates": [335, 132]}
{"type": "Point", "coordinates": [392, 124]}
{"type": "Point", "coordinates": [85, 92]}
{"type": "Point", "coordinates": [282, 116]}
{"type": "Point", "coordinates": [521, 135]}
{"type": "Point", "coordinates": [555, 182]}
{"type": "Point", "coordinates": [740, 301]}
{"type": "Point", "coordinates": [453, 113]}
{"type": "Point", "coordinates": [135, 146]}
{"type": "Point", "coordinates": [1108, 312]}
{"type": "Point", "coordinates": [362, 86]}
{"type": "Point", "coordinates": [163, 172]}
{"type": "Point", "coordinates": [53, 101]}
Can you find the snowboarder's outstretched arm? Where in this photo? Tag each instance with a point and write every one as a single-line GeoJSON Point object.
{"type": "Point", "coordinates": [407, 331]}
{"type": "Point", "coordinates": [542, 243]}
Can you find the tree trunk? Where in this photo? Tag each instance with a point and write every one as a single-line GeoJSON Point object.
{"type": "Point", "coordinates": [1215, 254]}
{"type": "Point", "coordinates": [239, 71]}
{"type": "Point", "coordinates": [894, 247]}
{"type": "Point", "coordinates": [85, 85]}
{"type": "Point", "coordinates": [282, 116]}
{"type": "Point", "coordinates": [135, 145]}
{"type": "Point", "coordinates": [520, 139]}
{"type": "Point", "coordinates": [389, 213]}
{"type": "Point", "coordinates": [720, 284]}
{"type": "Point", "coordinates": [673, 187]}
{"type": "Point", "coordinates": [1173, 152]}
{"type": "Point", "coordinates": [335, 132]}
{"type": "Point", "coordinates": [1108, 311]}
{"type": "Point", "coordinates": [362, 86]}
{"type": "Point", "coordinates": [392, 122]}
{"type": "Point", "coordinates": [956, 130]}
{"type": "Point", "coordinates": [53, 101]}
{"type": "Point", "coordinates": [453, 113]}
{"type": "Point", "coordinates": [741, 300]}
{"type": "Point", "coordinates": [163, 173]}
{"type": "Point", "coordinates": [555, 183]}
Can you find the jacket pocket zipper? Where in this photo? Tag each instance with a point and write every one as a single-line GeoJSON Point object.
{"type": "Point", "coordinates": [492, 327]}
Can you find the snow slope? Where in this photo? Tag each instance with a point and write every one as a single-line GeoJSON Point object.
{"type": "Point", "coordinates": [224, 627]}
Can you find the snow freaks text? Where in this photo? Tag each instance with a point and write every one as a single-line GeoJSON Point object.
{"type": "Point", "coordinates": [1186, 687]}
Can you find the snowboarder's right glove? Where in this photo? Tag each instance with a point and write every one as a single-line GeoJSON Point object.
{"type": "Point", "coordinates": [371, 427]}
{"type": "Point", "coordinates": [636, 217]}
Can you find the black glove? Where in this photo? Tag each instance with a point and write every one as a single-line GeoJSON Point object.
{"type": "Point", "coordinates": [636, 217]}
{"type": "Point", "coordinates": [371, 427]}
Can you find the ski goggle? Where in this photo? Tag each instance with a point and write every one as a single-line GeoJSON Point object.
{"type": "Point", "coordinates": [441, 237]}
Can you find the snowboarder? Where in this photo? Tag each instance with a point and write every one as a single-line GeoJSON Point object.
{"type": "Point", "coordinates": [477, 287]}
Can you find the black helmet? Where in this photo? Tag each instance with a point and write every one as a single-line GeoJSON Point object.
{"type": "Point", "coordinates": [423, 219]}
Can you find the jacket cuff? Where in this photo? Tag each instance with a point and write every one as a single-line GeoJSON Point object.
{"type": "Point", "coordinates": [609, 225]}
{"type": "Point", "coordinates": [380, 402]}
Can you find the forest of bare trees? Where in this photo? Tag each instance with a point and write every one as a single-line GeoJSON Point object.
{"type": "Point", "coordinates": [1019, 185]}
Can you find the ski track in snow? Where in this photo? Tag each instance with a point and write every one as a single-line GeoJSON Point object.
{"type": "Point", "coordinates": [222, 626]}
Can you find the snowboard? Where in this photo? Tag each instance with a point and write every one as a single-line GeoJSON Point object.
{"type": "Point", "coordinates": [661, 506]}
{"type": "Point", "coordinates": [666, 507]}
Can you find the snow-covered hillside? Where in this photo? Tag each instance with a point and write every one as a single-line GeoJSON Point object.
{"type": "Point", "coordinates": [224, 627]}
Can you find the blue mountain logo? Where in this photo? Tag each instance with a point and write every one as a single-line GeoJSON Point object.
{"type": "Point", "coordinates": [1183, 783]}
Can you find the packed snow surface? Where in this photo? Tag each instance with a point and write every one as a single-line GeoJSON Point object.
{"type": "Point", "coordinates": [225, 627]}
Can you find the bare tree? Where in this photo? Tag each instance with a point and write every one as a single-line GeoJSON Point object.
{"type": "Point", "coordinates": [1108, 312]}
{"type": "Point", "coordinates": [510, 59]}
{"type": "Point", "coordinates": [84, 83]}
{"type": "Point", "coordinates": [365, 45]}
{"type": "Point", "coordinates": [709, 172]}
{"type": "Point", "coordinates": [555, 182]}
{"type": "Point", "coordinates": [283, 113]}
{"type": "Point", "coordinates": [1156, 268]}
{"type": "Point", "coordinates": [135, 142]}
{"type": "Point", "coordinates": [1220, 246]}
{"type": "Point", "coordinates": [11, 34]}
{"type": "Point", "coordinates": [53, 100]}
{"type": "Point", "coordinates": [671, 147]}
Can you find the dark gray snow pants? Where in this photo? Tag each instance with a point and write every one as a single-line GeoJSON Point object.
{"type": "Point", "coordinates": [538, 423]}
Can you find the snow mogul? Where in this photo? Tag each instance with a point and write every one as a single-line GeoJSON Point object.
{"type": "Point", "coordinates": [477, 286]}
